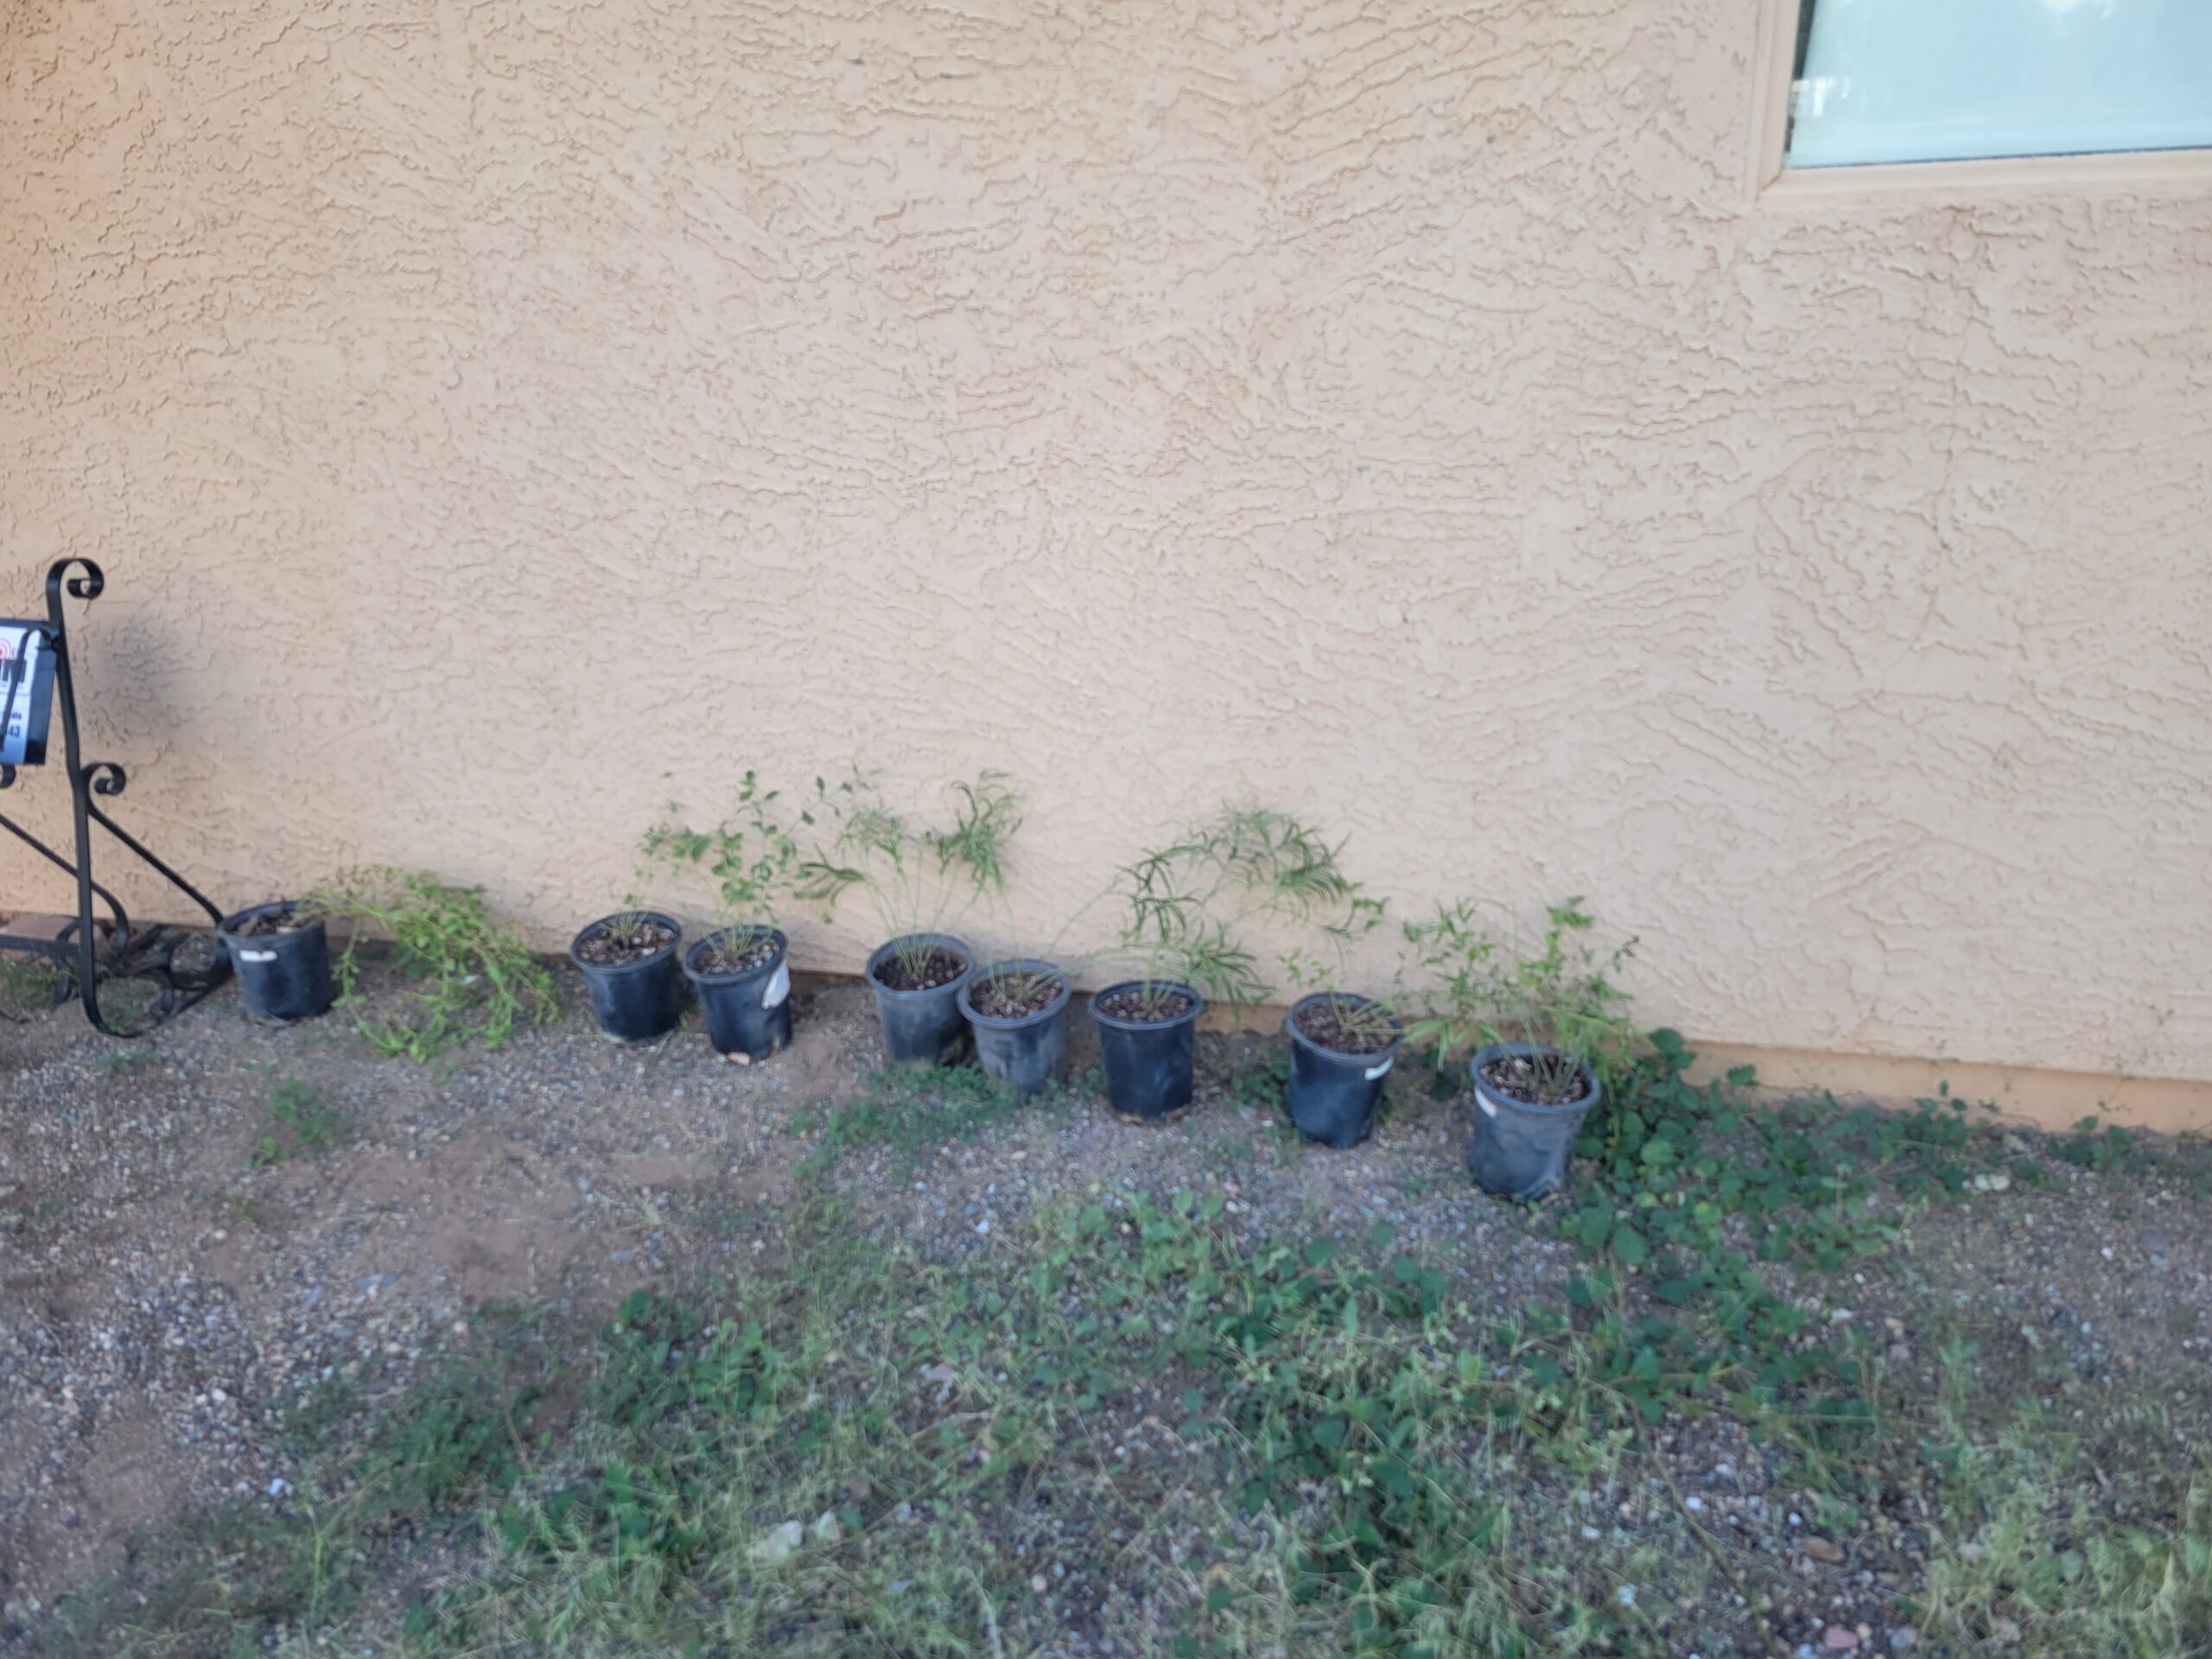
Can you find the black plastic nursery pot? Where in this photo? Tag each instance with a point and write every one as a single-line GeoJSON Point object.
{"type": "Point", "coordinates": [1333, 1092]}
{"type": "Point", "coordinates": [283, 972]}
{"type": "Point", "coordinates": [748, 1011]}
{"type": "Point", "coordinates": [922, 1025]}
{"type": "Point", "coordinates": [1148, 1062]}
{"type": "Point", "coordinates": [1024, 1051]}
{"type": "Point", "coordinates": [1520, 1149]}
{"type": "Point", "coordinates": [637, 1001]}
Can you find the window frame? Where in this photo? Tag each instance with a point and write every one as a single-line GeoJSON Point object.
{"type": "Point", "coordinates": [1770, 182]}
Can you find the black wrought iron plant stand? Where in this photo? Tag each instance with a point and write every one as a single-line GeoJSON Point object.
{"type": "Point", "coordinates": [181, 965]}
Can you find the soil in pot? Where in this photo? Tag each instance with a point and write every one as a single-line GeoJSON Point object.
{"type": "Point", "coordinates": [940, 966]}
{"type": "Point", "coordinates": [1014, 996]}
{"type": "Point", "coordinates": [277, 918]}
{"type": "Point", "coordinates": [1153, 1008]}
{"type": "Point", "coordinates": [609, 945]}
{"type": "Point", "coordinates": [1345, 1027]}
{"type": "Point", "coordinates": [723, 954]}
{"type": "Point", "coordinates": [1521, 1078]}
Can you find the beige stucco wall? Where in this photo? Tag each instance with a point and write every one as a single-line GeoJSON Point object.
{"type": "Point", "coordinates": [498, 418]}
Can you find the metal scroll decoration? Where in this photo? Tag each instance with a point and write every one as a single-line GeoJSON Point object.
{"type": "Point", "coordinates": [177, 966]}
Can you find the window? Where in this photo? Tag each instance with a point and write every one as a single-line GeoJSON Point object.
{"type": "Point", "coordinates": [1877, 81]}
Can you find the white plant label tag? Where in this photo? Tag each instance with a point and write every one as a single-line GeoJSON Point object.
{"type": "Point", "coordinates": [1489, 1110]}
{"type": "Point", "coordinates": [258, 956]}
{"type": "Point", "coordinates": [779, 986]}
{"type": "Point", "coordinates": [1375, 1071]}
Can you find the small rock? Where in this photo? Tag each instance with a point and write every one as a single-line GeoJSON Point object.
{"type": "Point", "coordinates": [1838, 1638]}
{"type": "Point", "coordinates": [774, 1548]}
{"type": "Point", "coordinates": [826, 1530]}
{"type": "Point", "coordinates": [1903, 1637]}
{"type": "Point", "coordinates": [1821, 1549]}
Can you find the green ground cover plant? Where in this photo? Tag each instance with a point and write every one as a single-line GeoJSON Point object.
{"type": "Point", "coordinates": [1192, 1437]}
{"type": "Point", "coordinates": [300, 1124]}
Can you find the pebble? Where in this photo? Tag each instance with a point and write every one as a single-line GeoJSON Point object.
{"type": "Point", "coordinates": [1838, 1638]}
{"type": "Point", "coordinates": [774, 1549]}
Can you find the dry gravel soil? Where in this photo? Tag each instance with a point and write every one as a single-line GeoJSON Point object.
{"type": "Point", "coordinates": [164, 1294]}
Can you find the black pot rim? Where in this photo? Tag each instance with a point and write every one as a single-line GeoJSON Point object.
{"type": "Point", "coordinates": [1369, 1056]}
{"type": "Point", "coordinates": [998, 1022]}
{"type": "Point", "coordinates": [1483, 1057]}
{"type": "Point", "coordinates": [883, 953]}
{"type": "Point", "coordinates": [1118, 1023]}
{"type": "Point", "coordinates": [227, 928]}
{"type": "Point", "coordinates": [675, 928]}
{"type": "Point", "coordinates": [767, 965]}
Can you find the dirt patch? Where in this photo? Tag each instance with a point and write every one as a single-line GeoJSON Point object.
{"type": "Point", "coordinates": [166, 1301]}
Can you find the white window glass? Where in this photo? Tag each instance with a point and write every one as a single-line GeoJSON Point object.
{"type": "Point", "coordinates": [1929, 80]}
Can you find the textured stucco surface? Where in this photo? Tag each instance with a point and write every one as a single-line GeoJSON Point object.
{"type": "Point", "coordinates": [499, 418]}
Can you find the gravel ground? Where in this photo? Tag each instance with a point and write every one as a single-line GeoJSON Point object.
{"type": "Point", "coordinates": [164, 1297]}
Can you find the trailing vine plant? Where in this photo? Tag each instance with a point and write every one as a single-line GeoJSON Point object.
{"type": "Point", "coordinates": [476, 978]}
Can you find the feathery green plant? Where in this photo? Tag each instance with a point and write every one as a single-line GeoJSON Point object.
{"type": "Point", "coordinates": [1188, 903]}
{"type": "Point", "coordinates": [919, 879]}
